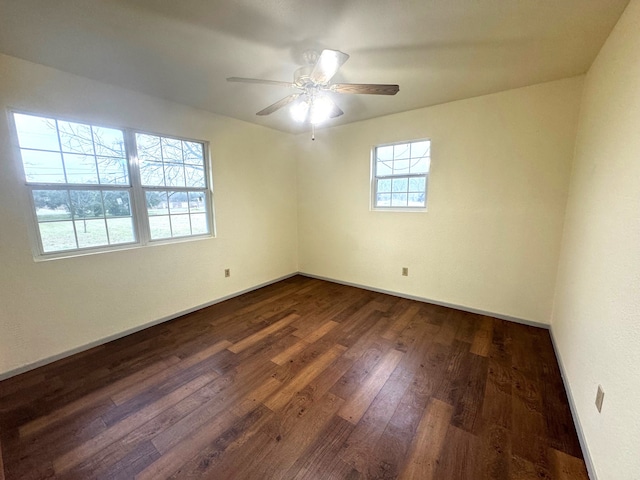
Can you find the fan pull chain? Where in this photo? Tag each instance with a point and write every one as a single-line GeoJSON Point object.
{"type": "Point", "coordinates": [313, 132]}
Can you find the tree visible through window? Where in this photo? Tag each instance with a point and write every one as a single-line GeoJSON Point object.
{"type": "Point", "coordinates": [400, 174]}
{"type": "Point", "coordinates": [88, 193]}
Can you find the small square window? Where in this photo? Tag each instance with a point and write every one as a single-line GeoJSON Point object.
{"type": "Point", "coordinates": [400, 175]}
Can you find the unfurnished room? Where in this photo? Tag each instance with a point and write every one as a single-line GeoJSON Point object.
{"type": "Point", "coordinates": [277, 239]}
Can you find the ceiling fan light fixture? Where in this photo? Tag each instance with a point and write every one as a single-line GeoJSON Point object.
{"type": "Point", "coordinates": [299, 110]}
{"type": "Point", "coordinates": [321, 108]}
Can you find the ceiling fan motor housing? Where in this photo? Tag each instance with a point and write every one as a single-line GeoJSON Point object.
{"type": "Point", "coordinates": [301, 77]}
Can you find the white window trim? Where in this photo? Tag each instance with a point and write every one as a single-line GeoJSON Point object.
{"type": "Point", "coordinates": [373, 182]}
{"type": "Point", "coordinates": [137, 192]}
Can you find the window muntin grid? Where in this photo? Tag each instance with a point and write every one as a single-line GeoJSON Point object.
{"type": "Point", "coordinates": [400, 175]}
{"type": "Point", "coordinates": [85, 185]}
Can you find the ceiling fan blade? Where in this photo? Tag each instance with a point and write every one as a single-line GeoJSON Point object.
{"type": "Point", "coordinates": [258, 80]}
{"type": "Point", "coordinates": [327, 66]}
{"type": "Point", "coordinates": [365, 88]}
{"type": "Point", "coordinates": [278, 105]}
{"type": "Point", "coordinates": [336, 111]}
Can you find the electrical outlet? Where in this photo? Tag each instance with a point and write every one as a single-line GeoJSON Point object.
{"type": "Point", "coordinates": [405, 271]}
{"type": "Point", "coordinates": [227, 272]}
{"type": "Point", "coordinates": [599, 398]}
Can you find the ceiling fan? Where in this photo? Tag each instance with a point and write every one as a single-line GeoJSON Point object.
{"type": "Point", "coordinates": [313, 82]}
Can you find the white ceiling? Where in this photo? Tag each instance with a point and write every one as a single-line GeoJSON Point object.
{"type": "Point", "coordinates": [436, 50]}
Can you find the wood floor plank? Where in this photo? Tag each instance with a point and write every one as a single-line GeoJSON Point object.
{"type": "Point", "coordinates": [1, 462]}
{"type": "Point", "coordinates": [358, 449]}
{"type": "Point", "coordinates": [481, 342]}
{"type": "Point", "coordinates": [120, 429]}
{"type": "Point", "coordinates": [566, 467]}
{"type": "Point", "coordinates": [304, 342]}
{"type": "Point", "coordinates": [283, 452]}
{"type": "Point", "coordinates": [320, 458]}
{"type": "Point", "coordinates": [120, 396]}
{"type": "Point", "coordinates": [282, 397]}
{"type": "Point", "coordinates": [256, 337]}
{"type": "Point", "coordinates": [400, 322]}
{"type": "Point", "coordinates": [172, 459]}
{"type": "Point", "coordinates": [462, 462]}
{"type": "Point", "coordinates": [495, 457]}
{"type": "Point", "coordinates": [87, 400]}
{"type": "Point", "coordinates": [206, 463]}
{"type": "Point", "coordinates": [301, 379]}
{"type": "Point", "coordinates": [354, 408]}
{"type": "Point", "coordinates": [428, 442]}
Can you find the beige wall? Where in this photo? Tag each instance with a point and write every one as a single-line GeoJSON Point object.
{"type": "Point", "coordinates": [51, 307]}
{"type": "Point", "coordinates": [596, 321]}
{"type": "Point", "coordinates": [497, 189]}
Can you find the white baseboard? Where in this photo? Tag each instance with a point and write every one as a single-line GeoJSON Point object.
{"type": "Point", "coordinates": [574, 413]}
{"type": "Point", "coordinates": [116, 336]}
{"type": "Point", "coordinates": [464, 308]}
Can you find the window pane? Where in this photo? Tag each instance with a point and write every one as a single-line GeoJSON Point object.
{"type": "Point", "coordinates": [148, 147]}
{"type": "Point", "coordinates": [399, 200]}
{"type": "Point", "coordinates": [157, 203]}
{"type": "Point", "coordinates": [151, 174]}
{"type": "Point", "coordinates": [80, 168]}
{"type": "Point", "coordinates": [194, 176]}
{"type": "Point", "coordinates": [160, 227]}
{"type": "Point", "coordinates": [180, 225]}
{"type": "Point", "coordinates": [36, 132]}
{"type": "Point", "coordinates": [399, 184]}
{"type": "Point", "coordinates": [174, 175]}
{"type": "Point", "coordinates": [117, 203]}
{"type": "Point", "coordinates": [109, 142]}
{"type": "Point", "coordinates": [384, 200]}
{"type": "Point", "coordinates": [171, 150]}
{"type": "Point", "coordinates": [197, 202]}
{"type": "Point", "coordinates": [384, 185]}
{"type": "Point", "coordinates": [42, 167]}
{"type": "Point", "coordinates": [86, 204]}
{"type": "Point", "coordinates": [52, 205]}
{"type": "Point", "coordinates": [384, 153]}
{"type": "Point", "coordinates": [420, 165]}
{"type": "Point", "coordinates": [91, 233]}
{"type": "Point", "coordinates": [113, 170]}
{"type": "Point", "coordinates": [178, 202]}
{"type": "Point", "coordinates": [76, 137]}
{"type": "Point", "coordinates": [121, 230]}
{"type": "Point", "coordinates": [401, 167]}
{"type": "Point", "coordinates": [199, 224]}
{"type": "Point", "coordinates": [416, 184]}
{"type": "Point", "coordinates": [420, 149]}
{"type": "Point", "coordinates": [401, 151]}
{"type": "Point", "coordinates": [193, 153]}
{"type": "Point", "coordinates": [57, 236]}
{"type": "Point", "coordinates": [384, 168]}
{"type": "Point", "coordinates": [416, 199]}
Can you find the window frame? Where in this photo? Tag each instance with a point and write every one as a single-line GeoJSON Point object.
{"type": "Point", "coordinates": [374, 179]}
{"type": "Point", "coordinates": [137, 195]}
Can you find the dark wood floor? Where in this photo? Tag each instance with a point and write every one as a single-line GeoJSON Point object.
{"type": "Point", "coordinates": [302, 379]}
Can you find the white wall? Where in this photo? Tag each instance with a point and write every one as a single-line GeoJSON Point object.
{"type": "Point", "coordinates": [596, 320]}
{"type": "Point", "coordinates": [47, 308]}
{"type": "Point", "coordinates": [497, 190]}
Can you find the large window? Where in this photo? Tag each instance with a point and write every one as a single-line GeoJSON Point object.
{"type": "Point", "coordinates": [100, 188]}
{"type": "Point", "coordinates": [400, 175]}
